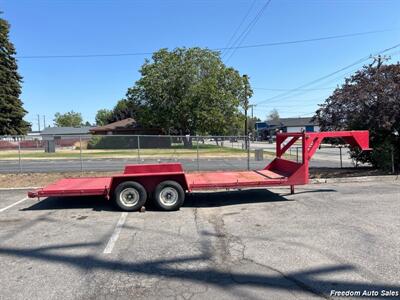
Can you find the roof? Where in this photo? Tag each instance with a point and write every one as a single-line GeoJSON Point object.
{"type": "Point", "coordinates": [125, 123]}
{"type": "Point", "coordinates": [292, 122]}
{"type": "Point", "coordinates": [65, 130]}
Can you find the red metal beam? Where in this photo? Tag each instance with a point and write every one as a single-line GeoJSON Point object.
{"type": "Point", "coordinates": [287, 146]}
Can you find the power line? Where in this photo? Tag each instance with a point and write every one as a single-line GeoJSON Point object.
{"type": "Point", "coordinates": [311, 39]}
{"type": "Point", "coordinates": [361, 60]}
{"type": "Point", "coordinates": [273, 89]}
{"type": "Point", "coordinates": [301, 114]}
{"type": "Point", "coordinates": [279, 97]}
{"type": "Point", "coordinates": [303, 101]}
{"type": "Point", "coordinates": [300, 92]}
{"type": "Point", "coordinates": [304, 114]}
{"type": "Point", "coordinates": [273, 44]}
{"type": "Point", "coordinates": [395, 53]}
{"type": "Point", "coordinates": [249, 27]}
{"type": "Point", "coordinates": [85, 55]}
{"type": "Point", "coordinates": [283, 106]}
{"type": "Point", "coordinates": [305, 91]}
{"type": "Point", "coordinates": [240, 25]}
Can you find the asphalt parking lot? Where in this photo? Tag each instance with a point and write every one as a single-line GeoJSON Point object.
{"type": "Point", "coordinates": [255, 244]}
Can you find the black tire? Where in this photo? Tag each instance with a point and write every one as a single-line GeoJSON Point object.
{"type": "Point", "coordinates": [125, 191]}
{"type": "Point", "coordinates": [169, 195]}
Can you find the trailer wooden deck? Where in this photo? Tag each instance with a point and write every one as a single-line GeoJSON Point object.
{"type": "Point", "coordinates": [212, 180]}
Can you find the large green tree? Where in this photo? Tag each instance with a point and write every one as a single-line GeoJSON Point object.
{"type": "Point", "coordinates": [126, 109]}
{"type": "Point", "coordinates": [369, 99]}
{"type": "Point", "coordinates": [186, 90]}
{"type": "Point", "coordinates": [68, 119]}
{"type": "Point", "coordinates": [11, 110]}
{"type": "Point", "coordinates": [103, 117]}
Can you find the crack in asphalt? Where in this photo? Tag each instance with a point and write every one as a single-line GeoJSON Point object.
{"type": "Point", "coordinates": [226, 239]}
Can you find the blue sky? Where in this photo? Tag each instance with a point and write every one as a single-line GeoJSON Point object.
{"type": "Point", "coordinates": [40, 28]}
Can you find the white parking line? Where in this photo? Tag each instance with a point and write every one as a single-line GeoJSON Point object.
{"type": "Point", "coordinates": [7, 207]}
{"type": "Point", "coordinates": [115, 235]}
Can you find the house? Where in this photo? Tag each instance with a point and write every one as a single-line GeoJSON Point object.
{"type": "Point", "coordinates": [267, 129]}
{"type": "Point", "coordinates": [299, 124]}
{"type": "Point", "coordinates": [123, 127]}
{"type": "Point", "coordinates": [127, 134]}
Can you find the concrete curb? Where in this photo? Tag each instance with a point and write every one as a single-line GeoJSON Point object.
{"type": "Point", "coordinates": [355, 179]}
{"type": "Point", "coordinates": [19, 188]}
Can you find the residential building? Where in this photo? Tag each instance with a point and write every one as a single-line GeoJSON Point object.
{"type": "Point", "coordinates": [128, 134]}
{"type": "Point", "coordinates": [267, 129]}
{"type": "Point", "coordinates": [123, 127]}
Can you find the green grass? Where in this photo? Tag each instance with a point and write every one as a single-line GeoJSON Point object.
{"type": "Point", "coordinates": [174, 151]}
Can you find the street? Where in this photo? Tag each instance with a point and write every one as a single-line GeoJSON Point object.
{"type": "Point", "coordinates": [255, 244]}
{"type": "Point", "coordinates": [325, 157]}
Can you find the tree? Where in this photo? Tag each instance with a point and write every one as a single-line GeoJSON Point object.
{"type": "Point", "coordinates": [369, 99]}
{"type": "Point", "coordinates": [103, 117]}
{"type": "Point", "coordinates": [12, 111]}
{"type": "Point", "coordinates": [69, 119]}
{"type": "Point", "coordinates": [124, 109]}
{"type": "Point", "coordinates": [187, 91]}
{"type": "Point", "coordinates": [273, 115]}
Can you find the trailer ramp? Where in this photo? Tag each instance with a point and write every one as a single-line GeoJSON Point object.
{"type": "Point", "coordinates": [88, 186]}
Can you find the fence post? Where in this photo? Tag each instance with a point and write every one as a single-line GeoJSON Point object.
{"type": "Point", "coordinates": [80, 152]}
{"type": "Point", "coordinates": [172, 147]}
{"type": "Point", "coordinates": [341, 161]}
{"type": "Point", "coordinates": [138, 148]}
{"type": "Point", "coordinates": [198, 161]}
{"type": "Point", "coordinates": [392, 156]}
{"type": "Point", "coordinates": [19, 155]}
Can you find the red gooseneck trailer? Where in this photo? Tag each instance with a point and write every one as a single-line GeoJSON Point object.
{"type": "Point", "coordinates": [167, 183]}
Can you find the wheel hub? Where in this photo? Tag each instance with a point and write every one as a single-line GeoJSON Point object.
{"type": "Point", "coordinates": [169, 196]}
{"type": "Point", "coordinates": [129, 196]}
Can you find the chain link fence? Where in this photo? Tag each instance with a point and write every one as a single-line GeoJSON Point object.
{"type": "Point", "coordinates": [24, 154]}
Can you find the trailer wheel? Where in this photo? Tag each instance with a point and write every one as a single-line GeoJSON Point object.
{"type": "Point", "coordinates": [130, 196]}
{"type": "Point", "coordinates": [169, 195]}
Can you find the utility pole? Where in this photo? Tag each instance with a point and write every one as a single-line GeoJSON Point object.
{"type": "Point", "coordinates": [251, 106]}
{"type": "Point", "coordinates": [38, 121]}
{"type": "Point", "coordinates": [379, 60]}
{"type": "Point", "coordinates": [44, 121]}
{"type": "Point", "coordinates": [246, 107]}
